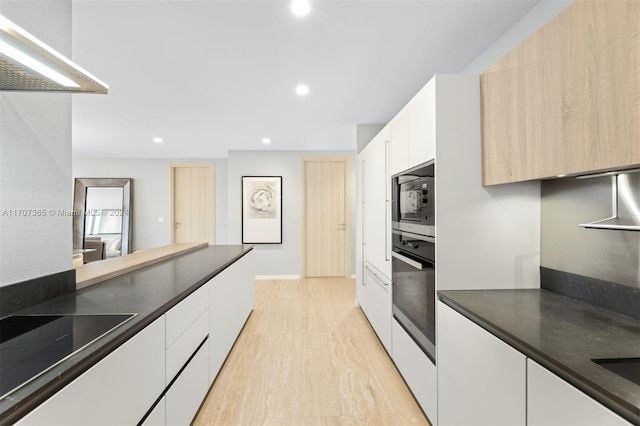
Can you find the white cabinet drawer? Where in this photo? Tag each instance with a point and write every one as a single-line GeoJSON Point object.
{"type": "Point", "coordinates": [157, 416]}
{"type": "Point", "coordinates": [186, 394]}
{"type": "Point", "coordinates": [118, 390]}
{"type": "Point", "coordinates": [185, 313]}
{"type": "Point", "coordinates": [180, 351]}
{"type": "Point", "coordinates": [417, 370]}
{"type": "Point", "coordinates": [552, 401]}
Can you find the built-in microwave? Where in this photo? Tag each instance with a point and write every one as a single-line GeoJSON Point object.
{"type": "Point", "coordinates": [413, 194]}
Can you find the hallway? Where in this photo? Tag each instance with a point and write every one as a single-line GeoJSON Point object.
{"type": "Point", "coordinates": [307, 356]}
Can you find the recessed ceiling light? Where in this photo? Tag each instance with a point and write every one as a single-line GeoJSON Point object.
{"type": "Point", "coordinates": [302, 90]}
{"type": "Point", "coordinates": [266, 141]}
{"type": "Point", "coordinates": [300, 7]}
{"type": "Point", "coordinates": [157, 140]}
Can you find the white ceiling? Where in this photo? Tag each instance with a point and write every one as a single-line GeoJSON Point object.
{"type": "Point", "coordinates": [211, 76]}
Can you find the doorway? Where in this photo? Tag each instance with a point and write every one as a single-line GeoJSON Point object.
{"type": "Point", "coordinates": [192, 202]}
{"type": "Point", "coordinates": [326, 217]}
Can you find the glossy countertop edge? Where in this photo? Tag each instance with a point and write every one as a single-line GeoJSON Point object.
{"type": "Point", "coordinates": [66, 375]}
{"type": "Point", "coordinates": [623, 408]}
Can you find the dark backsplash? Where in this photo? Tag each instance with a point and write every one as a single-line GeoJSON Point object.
{"type": "Point", "coordinates": [610, 256]}
{"type": "Point", "coordinates": [615, 297]}
{"type": "Point", "coordinates": [15, 297]}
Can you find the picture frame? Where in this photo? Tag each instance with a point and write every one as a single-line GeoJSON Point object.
{"type": "Point", "coordinates": [262, 209]}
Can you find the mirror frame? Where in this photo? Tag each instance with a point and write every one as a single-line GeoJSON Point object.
{"type": "Point", "coordinates": [80, 202]}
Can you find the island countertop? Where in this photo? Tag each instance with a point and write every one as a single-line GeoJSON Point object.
{"type": "Point", "coordinates": [148, 292]}
{"type": "Point", "coordinates": [561, 334]}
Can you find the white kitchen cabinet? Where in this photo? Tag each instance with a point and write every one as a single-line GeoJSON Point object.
{"type": "Point", "coordinates": [417, 369]}
{"type": "Point", "coordinates": [184, 346]}
{"type": "Point", "coordinates": [377, 208]}
{"type": "Point", "coordinates": [157, 416]}
{"type": "Point", "coordinates": [184, 397]}
{"type": "Point", "coordinates": [118, 390]}
{"type": "Point", "coordinates": [399, 141]}
{"type": "Point", "coordinates": [481, 379]}
{"type": "Point", "coordinates": [552, 401]}
{"type": "Point", "coordinates": [232, 296]}
{"type": "Point", "coordinates": [185, 313]}
{"type": "Point", "coordinates": [379, 305]}
{"type": "Point", "coordinates": [422, 126]}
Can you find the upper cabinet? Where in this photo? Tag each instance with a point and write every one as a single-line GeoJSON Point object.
{"type": "Point", "coordinates": [422, 125]}
{"type": "Point", "coordinates": [399, 128]}
{"type": "Point", "coordinates": [413, 131]}
{"type": "Point", "coordinates": [567, 100]}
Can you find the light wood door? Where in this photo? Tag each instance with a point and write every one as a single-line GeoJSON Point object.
{"type": "Point", "coordinates": [192, 189]}
{"type": "Point", "coordinates": [326, 204]}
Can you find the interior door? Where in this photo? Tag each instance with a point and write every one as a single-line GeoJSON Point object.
{"type": "Point", "coordinates": [192, 189]}
{"type": "Point", "coordinates": [327, 216]}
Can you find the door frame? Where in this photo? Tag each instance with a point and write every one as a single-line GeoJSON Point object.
{"type": "Point", "coordinates": [303, 210]}
{"type": "Point", "coordinates": [211, 166]}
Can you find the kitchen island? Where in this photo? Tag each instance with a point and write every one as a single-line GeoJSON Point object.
{"type": "Point", "coordinates": [556, 333]}
{"type": "Point", "coordinates": [151, 293]}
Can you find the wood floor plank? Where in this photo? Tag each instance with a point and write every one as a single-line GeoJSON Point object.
{"type": "Point", "coordinates": [308, 356]}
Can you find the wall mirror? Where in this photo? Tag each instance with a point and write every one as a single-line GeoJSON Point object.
{"type": "Point", "coordinates": [102, 217]}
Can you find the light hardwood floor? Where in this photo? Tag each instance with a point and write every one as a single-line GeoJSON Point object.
{"type": "Point", "coordinates": [307, 356]}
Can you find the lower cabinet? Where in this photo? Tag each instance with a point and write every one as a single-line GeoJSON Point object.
{"type": "Point", "coordinates": [163, 373]}
{"type": "Point", "coordinates": [552, 401]}
{"type": "Point", "coordinates": [379, 305]}
{"type": "Point", "coordinates": [232, 296]}
{"type": "Point", "coordinates": [184, 397]}
{"type": "Point", "coordinates": [158, 416]}
{"type": "Point", "coordinates": [417, 370]}
{"type": "Point", "coordinates": [481, 379]}
{"type": "Point", "coordinates": [118, 390]}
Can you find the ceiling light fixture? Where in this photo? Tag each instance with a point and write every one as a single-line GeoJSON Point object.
{"type": "Point", "coordinates": [157, 140]}
{"type": "Point", "coordinates": [300, 7]}
{"type": "Point", "coordinates": [302, 90]}
{"type": "Point", "coordinates": [266, 141]}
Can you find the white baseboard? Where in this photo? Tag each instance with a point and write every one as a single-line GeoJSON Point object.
{"type": "Point", "coordinates": [277, 277]}
{"type": "Point", "coordinates": [353, 276]}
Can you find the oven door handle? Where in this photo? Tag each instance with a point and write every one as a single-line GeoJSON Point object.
{"type": "Point", "coordinates": [408, 261]}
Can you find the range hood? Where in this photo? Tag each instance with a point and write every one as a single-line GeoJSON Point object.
{"type": "Point", "coordinates": [28, 64]}
{"type": "Point", "coordinates": [625, 201]}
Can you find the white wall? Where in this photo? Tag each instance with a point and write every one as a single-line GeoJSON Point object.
{"type": "Point", "coordinates": [35, 158]}
{"type": "Point", "coordinates": [535, 19]}
{"type": "Point", "coordinates": [277, 259]}
{"type": "Point", "coordinates": [151, 193]}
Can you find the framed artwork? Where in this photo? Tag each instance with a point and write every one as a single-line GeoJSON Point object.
{"type": "Point", "coordinates": [262, 209]}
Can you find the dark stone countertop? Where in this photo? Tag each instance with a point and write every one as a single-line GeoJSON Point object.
{"type": "Point", "coordinates": [149, 292]}
{"type": "Point", "coordinates": [561, 334]}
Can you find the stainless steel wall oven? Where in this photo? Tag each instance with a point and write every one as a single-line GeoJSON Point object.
{"type": "Point", "coordinates": [413, 255]}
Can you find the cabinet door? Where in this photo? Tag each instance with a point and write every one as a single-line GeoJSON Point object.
{"type": "Point", "coordinates": [377, 214]}
{"type": "Point", "coordinates": [232, 296]}
{"type": "Point", "coordinates": [416, 369]}
{"type": "Point", "coordinates": [552, 401]}
{"type": "Point", "coordinates": [186, 394]}
{"type": "Point", "coordinates": [422, 125]}
{"type": "Point", "coordinates": [481, 379]}
{"type": "Point", "coordinates": [399, 137]}
{"type": "Point", "coordinates": [379, 305]}
{"type": "Point", "coordinates": [565, 101]}
{"type": "Point", "coordinates": [118, 390]}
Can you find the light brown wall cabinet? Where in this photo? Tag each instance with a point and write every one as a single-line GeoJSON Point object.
{"type": "Point", "coordinates": [567, 100]}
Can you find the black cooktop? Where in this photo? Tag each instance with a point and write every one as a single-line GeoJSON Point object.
{"type": "Point", "coordinates": [31, 344]}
